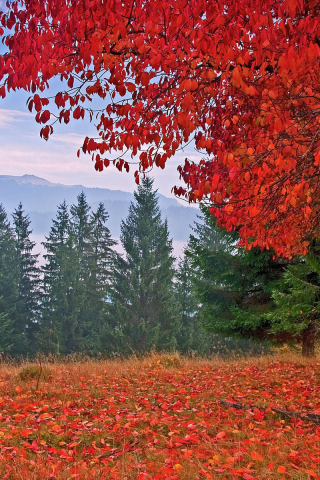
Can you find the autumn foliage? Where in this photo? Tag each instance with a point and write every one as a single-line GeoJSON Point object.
{"type": "Point", "coordinates": [239, 79]}
{"type": "Point", "coordinates": [159, 419]}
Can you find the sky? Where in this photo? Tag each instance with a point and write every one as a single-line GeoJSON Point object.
{"type": "Point", "coordinates": [24, 152]}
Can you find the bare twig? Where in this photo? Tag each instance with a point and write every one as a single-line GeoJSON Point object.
{"type": "Point", "coordinates": [313, 417]}
{"type": "Point", "coordinates": [40, 372]}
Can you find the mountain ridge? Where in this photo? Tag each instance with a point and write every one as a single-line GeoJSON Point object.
{"type": "Point", "coordinates": [41, 197]}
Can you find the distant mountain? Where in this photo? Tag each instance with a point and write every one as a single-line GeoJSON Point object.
{"type": "Point", "coordinates": [29, 179]}
{"type": "Point", "coordinates": [41, 197]}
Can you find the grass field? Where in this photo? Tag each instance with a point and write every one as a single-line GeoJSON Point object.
{"type": "Point", "coordinates": [160, 418]}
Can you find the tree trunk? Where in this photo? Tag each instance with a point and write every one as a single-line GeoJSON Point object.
{"type": "Point", "coordinates": [309, 340]}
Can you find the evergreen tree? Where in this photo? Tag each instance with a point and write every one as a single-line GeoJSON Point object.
{"type": "Point", "coordinates": [101, 265]}
{"type": "Point", "coordinates": [233, 286]}
{"type": "Point", "coordinates": [143, 312]}
{"type": "Point", "coordinates": [81, 230]}
{"type": "Point", "coordinates": [7, 333]}
{"type": "Point", "coordinates": [62, 302]}
{"type": "Point", "coordinates": [192, 336]}
{"type": "Point", "coordinates": [93, 243]}
{"type": "Point", "coordinates": [296, 312]}
{"type": "Point", "coordinates": [213, 259]}
{"type": "Point", "coordinates": [28, 304]}
{"type": "Point", "coordinates": [12, 334]}
{"type": "Point", "coordinates": [79, 264]}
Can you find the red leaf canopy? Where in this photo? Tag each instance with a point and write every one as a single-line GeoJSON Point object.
{"type": "Point", "coordinates": [240, 79]}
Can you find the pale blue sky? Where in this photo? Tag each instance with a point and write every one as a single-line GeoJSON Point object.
{"type": "Point", "coordinates": [24, 152]}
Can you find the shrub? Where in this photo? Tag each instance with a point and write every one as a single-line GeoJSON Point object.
{"type": "Point", "coordinates": [169, 361]}
{"type": "Point", "coordinates": [33, 372]}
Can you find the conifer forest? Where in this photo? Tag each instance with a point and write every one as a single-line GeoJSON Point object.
{"type": "Point", "coordinates": [88, 298]}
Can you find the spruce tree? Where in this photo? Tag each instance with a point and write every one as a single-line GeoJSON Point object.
{"type": "Point", "coordinates": [100, 267]}
{"type": "Point", "coordinates": [28, 305]}
{"type": "Point", "coordinates": [213, 258]}
{"type": "Point", "coordinates": [93, 244]}
{"type": "Point", "coordinates": [81, 230]}
{"type": "Point", "coordinates": [62, 303]}
{"type": "Point", "coordinates": [296, 312]}
{"type": "Point", "coordinates": [143, 311]}
{"type": "Point", "coordinates": [192, 337]}
{"type": "Point", "coordinates": [233, 286]}
{"type": "Point", "coordinates": [7, 334]}
{"type": "Point", "coordinates": [12, 332]}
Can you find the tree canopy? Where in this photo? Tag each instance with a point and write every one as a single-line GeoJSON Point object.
{"type": "Point", "coordinates": [239, 79]}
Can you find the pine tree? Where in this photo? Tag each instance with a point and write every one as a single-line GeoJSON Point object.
{"type": "Point", "coordinates": [61, 332]}
{"type": "Point", "coordinates": [143, 312]}
{"type": "Point", "coordinates": [28, 305]}
{"type": "Point", "coordinates": [192, 337]}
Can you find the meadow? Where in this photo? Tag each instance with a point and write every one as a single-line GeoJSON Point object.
{"type": "Point", "coordinates": [160, 418]}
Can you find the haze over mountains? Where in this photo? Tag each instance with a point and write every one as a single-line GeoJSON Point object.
{"type": "Point", "coordinates": [41, 197]}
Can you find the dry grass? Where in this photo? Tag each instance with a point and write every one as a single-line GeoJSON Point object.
{"type": "Point", "coordinates": [119, 365]}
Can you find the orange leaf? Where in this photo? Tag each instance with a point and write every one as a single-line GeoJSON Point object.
{"type": "Point", "coordinates": [311, 473]}
{"type": "Point", "coordinates": [177, 467]}
{"type": "Point", "coordinates": [282, 469]}
{"type": "Point", "coordinates": [257, 456]}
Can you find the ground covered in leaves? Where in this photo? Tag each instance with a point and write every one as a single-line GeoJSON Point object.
{"type": "Point", "coordinates": [159, 418]}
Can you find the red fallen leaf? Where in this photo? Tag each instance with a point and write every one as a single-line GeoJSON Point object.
{"type": "Point", "coordinates": [295, 466]}
{"type": "Point", "coordinates": [311, 473]}
{"type": "Point", "coordinates": [221, 435]}
{"type": "Point", "coordinates": [73, 444]}
{"type": "Point", "coordinates": [191, 426]}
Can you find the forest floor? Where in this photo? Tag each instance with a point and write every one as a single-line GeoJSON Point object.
{"type": "Point", "coordinates": [160, 418]}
